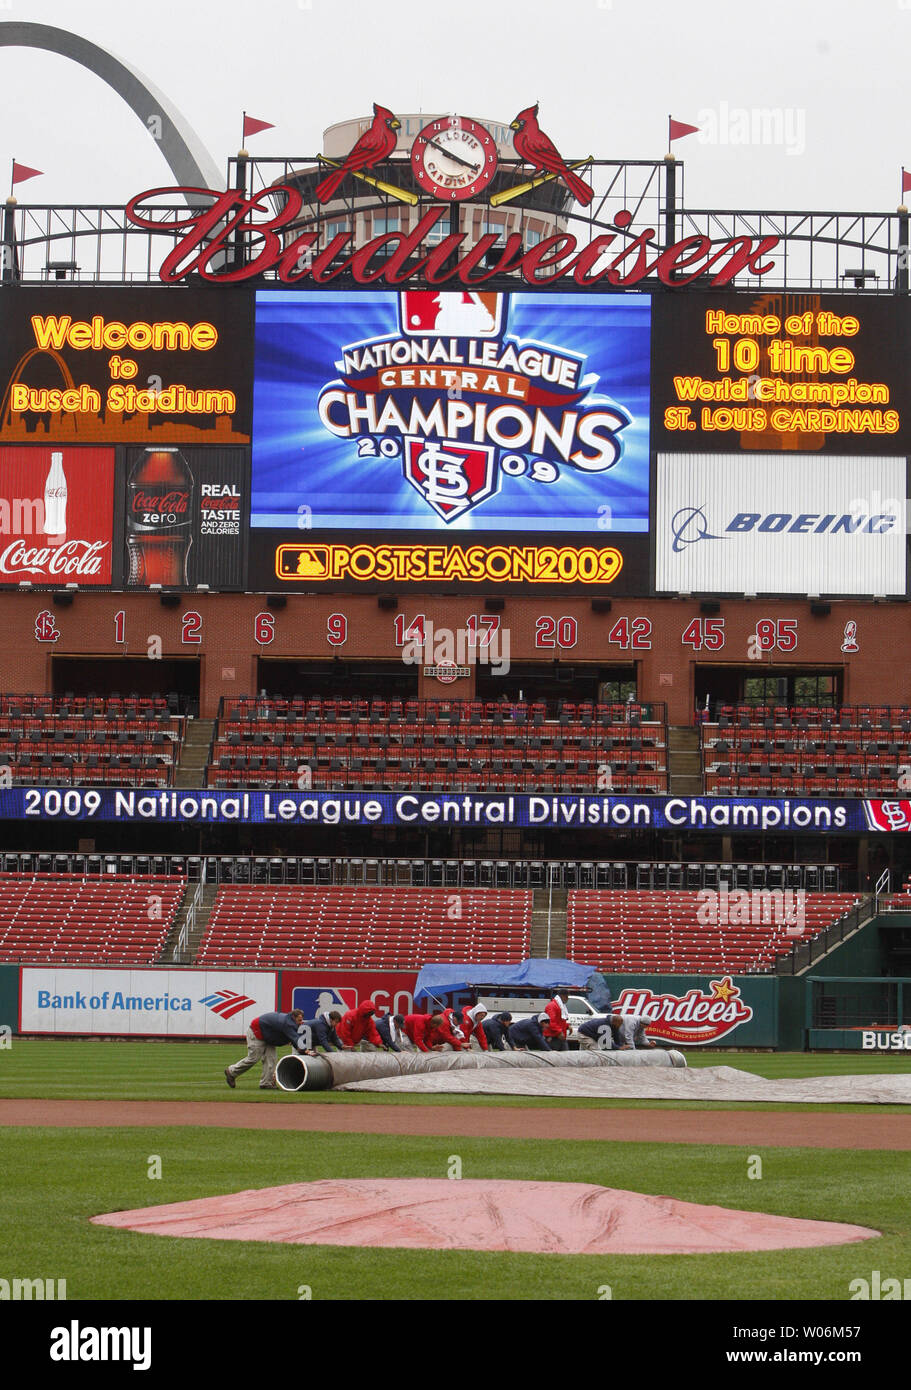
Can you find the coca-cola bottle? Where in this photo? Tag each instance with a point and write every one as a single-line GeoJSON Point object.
{"type": "Point", "coordinates": [55, 498]}
{"type": "Point", "coordinates": [159, 510]}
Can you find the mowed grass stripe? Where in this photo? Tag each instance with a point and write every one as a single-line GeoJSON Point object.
{"type": "Point", "coordinates": [92, 1070]}
{"type": "Point", "coordinates": [55, 1180]}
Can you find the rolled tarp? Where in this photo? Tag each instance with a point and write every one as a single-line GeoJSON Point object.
{"type": "Point", "coordinates": [323, 1073]}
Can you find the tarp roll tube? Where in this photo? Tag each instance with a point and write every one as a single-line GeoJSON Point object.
{"type": "Point", "coordinates": [295, 1073]}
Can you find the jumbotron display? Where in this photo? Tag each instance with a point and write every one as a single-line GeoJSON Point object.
{"type": "Point", "coordinates": [531, 442]}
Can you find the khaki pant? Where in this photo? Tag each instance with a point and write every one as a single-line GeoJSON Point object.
{"type": "Point", "coordinates": [257, 1051]}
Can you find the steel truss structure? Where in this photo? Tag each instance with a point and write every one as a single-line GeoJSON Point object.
{"type": "Point", "coordinates": [816, 251]}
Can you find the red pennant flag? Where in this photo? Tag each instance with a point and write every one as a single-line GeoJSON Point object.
{"type": "Point", "coordinates": [252, 126]}
{"type": "Point", "coordinates": [906, 181]}
{"type": "Point", "coordinates": [21, 172]}
{"type": "Point", "coordinates": [677, 129]}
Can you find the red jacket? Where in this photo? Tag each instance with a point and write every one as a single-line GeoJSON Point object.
{"type": "Point", "coordinates": [439, 1030]}
{"type": "Point", "coordinates": [469, 1027]}
{"type": "Point", "coordinates": [416, 1029]}
{"type": "Point", "coordinates": [558, 1027]}
{"type": "Point", "coordinates": [357, 1024]}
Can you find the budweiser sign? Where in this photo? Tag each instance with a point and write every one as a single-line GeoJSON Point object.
{"type": "Point", "coordinates": [203, 242]}
{"type": "Point", "coordinates": [72, 558]}
{"type": "Point", "coordinates": [695, 1018]}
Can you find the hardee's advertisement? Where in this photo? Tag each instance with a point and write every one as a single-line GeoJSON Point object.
{"type": "Point", "coordinates": [465, 438]}
{"type": "Point", "coordinates": [696, 1019]}
{"type": "Point", "coordinates": [781, 372]}
{"type": "Point", "coordinates": [89, 366]}
{"type": "Point", "coordinates": [56, 513]}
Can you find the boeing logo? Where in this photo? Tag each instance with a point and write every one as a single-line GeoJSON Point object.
{"type": "Point", "coordinates": [689, 525]}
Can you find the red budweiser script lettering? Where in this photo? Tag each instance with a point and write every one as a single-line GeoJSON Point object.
{"type": "Point", "coordinates": [209, 232]}
{"type": "Point", "coordinates": [73, 557]}
{"type": "Point", "coordinates": [694, 1018]}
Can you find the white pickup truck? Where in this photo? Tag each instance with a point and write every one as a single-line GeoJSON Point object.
{"type": "Point", "coordinates": [524, 1007]}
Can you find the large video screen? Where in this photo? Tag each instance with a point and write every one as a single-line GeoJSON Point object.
{"type": "Point", "coordinates": [466, 437]}
{"type": "Point", "coordinates": [117, 366]}
{"type": "Point", "coordinates": [805, 373]}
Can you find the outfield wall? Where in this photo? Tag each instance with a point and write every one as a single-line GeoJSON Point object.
{"type": "Point", "coordinates": [9, 996]}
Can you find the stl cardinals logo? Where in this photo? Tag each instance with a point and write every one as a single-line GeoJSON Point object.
{"type": "Point", "coordinates": [46, 627]}
{"type": "Point", "coordinates": [452, 477]}
{"type": "Point", "coordinates": [890, 816]}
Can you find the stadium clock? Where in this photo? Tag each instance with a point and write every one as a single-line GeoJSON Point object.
{"type": "Point", "coordinates": [454, 157]}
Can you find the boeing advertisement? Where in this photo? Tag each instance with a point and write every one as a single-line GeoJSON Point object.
{"type": "Point", "coordinates": [781, 524]}
{"type": "Point", "coordinates": [468, 438]}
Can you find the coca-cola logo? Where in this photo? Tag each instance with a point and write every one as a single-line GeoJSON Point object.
{"type": "Point", "coordinates": [695, 1018]}
{"type": "Point", "coordinates": [164, 503]}
{"type": "Point", "coordinates": [72, 557]}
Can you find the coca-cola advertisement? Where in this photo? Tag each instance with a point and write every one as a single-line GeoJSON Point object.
{"type": "Point", "coordinates": [56, 515]}
{"type": "Point", "coordinates": [184, 514]}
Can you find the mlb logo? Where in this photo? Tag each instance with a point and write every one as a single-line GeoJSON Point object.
{"type": "Point", "coordinates": [302, 561]}
{"type": "Point", "coordinates": [453, 478]}
{"type": "Point", "coordinates": [451, 314]}
{"type": "Point", "coordinates": [326, 999]}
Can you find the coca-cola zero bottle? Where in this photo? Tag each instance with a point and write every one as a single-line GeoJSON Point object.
{"type": "Point", "coordinates": [159, 512]}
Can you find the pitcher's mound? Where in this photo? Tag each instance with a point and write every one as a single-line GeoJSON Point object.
{"type": "Point", "coordinates": [560, 1218]}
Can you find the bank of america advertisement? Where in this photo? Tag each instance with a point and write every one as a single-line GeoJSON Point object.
{"type": "Point", "coordinates": [144, 1003]}
{"type": "Point", "coordinates": [466, 437]}
{"type": "Point", "coordinates": [780, 524]}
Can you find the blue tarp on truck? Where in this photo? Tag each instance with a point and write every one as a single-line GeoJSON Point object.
{"type": "Point", "coordinates": [542, 975]}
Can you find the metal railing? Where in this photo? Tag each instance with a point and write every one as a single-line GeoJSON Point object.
{"type": "Point", "coordinates": [805, 953]}
{"type": "Point", "coordinates": [181, 950]}
{"type": "Point", "coordinates": [450, 872]}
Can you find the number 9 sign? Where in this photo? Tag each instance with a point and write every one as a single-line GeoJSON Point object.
{"type": "Point", "coordinates": [336, 629]}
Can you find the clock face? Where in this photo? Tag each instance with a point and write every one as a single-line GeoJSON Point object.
{"type": "Point", "coordinates": [454, 157]}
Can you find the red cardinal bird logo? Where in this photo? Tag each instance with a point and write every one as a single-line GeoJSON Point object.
{"type": "Point", "coordinates": [538, 150]}
{"type": "Point", "coordinates": [375, 144]}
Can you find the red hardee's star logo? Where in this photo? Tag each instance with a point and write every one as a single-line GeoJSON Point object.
{"type": "Point", "coordinates": [724, 989]}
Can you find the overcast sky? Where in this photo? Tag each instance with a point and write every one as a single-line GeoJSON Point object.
{"type": "Point", "coordinates": [607, 73]}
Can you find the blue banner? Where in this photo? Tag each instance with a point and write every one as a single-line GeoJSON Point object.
{"type": "Point", "coordinates": [567, 811]}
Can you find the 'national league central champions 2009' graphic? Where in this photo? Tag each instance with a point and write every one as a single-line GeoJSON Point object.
{"type": "Point", "coordinates": [451, 412]}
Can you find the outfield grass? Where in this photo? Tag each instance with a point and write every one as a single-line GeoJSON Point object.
{"type": "Point", "coordinates": [55, 1180]}
{"type": "Point", "coordinates": [83, 1070]}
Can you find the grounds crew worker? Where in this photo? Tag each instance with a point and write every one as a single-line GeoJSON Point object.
{"type": "Point", "coordinates": [358, 1026]}
{"type": "Point", "coordinates": [496, 1030]}
{"type": "Point", "coordinates": [527, 1034]}
{"type": "Point", "coordinates": [556, 1029]}
{"type": "Point", "coordinates": [320, 1032]}
{"type": "Point", "coordinates": [389, 1027]}
{"type": "Point", "coordinates": [264, 1035]}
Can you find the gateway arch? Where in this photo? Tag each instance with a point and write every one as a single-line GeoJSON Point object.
{"type": "Point", "coordinates": [189, 160]}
